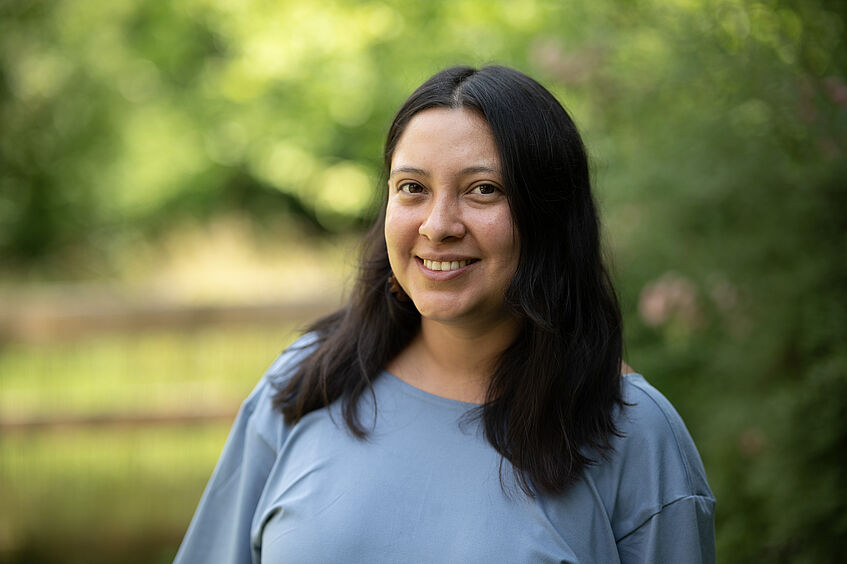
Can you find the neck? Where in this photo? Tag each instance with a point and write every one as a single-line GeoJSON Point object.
{"type": "Point", "coordinates": [454, 361]}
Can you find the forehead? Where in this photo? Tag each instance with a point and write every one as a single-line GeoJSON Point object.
{"type": "Point", "coordinates": [442, 137]}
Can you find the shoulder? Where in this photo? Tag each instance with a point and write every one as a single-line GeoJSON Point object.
{"type": "Point", "coordinates": [287, 362]}
{"type": "Point", "coordinates": [651, 426]}
{"type": "Point", "coordinates": [263, 419]}
{"type": "Point", "coordinates": [654, 463]}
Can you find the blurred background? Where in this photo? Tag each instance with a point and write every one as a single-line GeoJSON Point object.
{"type": "Point", "coordinates": [182, 186]}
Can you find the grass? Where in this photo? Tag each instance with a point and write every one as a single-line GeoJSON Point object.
{"type": "Point", "coordinates": [92, 494]}
{"type": "Point", "coordinates": [73, 492]}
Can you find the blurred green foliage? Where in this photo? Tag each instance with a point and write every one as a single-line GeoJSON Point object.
{"type": "Point", "coordinates": [717, 133]}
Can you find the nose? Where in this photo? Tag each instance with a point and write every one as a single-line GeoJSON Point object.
{"type": "Point", "coordinates": [443, 220]}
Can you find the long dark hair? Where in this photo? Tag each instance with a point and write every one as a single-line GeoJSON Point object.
{"type": "Point", "coordinates": [550, 401]}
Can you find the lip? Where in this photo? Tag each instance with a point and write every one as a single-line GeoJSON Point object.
{"type": "Point", "coordinates": [445, 275]}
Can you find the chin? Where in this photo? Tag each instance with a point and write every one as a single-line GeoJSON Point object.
{"type": "Point", "coordinates": [449, 314]}
{"type": "Point", "coordinates": [439, 315]}
{"type": "Point", "coordinates": [440, 312]}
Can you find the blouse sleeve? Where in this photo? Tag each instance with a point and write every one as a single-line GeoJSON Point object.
{"type": "Point", "coordinates": [683, 531]}
{"type": "Point", "coordinates": [664, 508]}
{"type": "Point", "coordinates": [220, 529]}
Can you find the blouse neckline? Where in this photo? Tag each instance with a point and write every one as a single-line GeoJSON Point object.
{"type": "Point", "coordinates": [418, 393]}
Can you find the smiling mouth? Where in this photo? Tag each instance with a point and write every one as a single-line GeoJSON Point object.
{"type": "Point", "coordinates": [447, 264]}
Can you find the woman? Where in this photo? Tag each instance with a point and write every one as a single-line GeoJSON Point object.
{"type": "Point", "coordinates": [467, 405]}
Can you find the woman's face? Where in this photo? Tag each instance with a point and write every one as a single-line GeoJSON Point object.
{"type": "Point", "coordinates": [451, 240]}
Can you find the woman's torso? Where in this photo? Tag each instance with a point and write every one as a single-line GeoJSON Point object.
{"type": "Point", "coordinates": [425, 486]}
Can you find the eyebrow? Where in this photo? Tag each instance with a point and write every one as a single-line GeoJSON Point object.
{"type": "Point", "coordinates": [422, 172]}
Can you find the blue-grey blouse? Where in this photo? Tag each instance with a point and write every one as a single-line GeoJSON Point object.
{"type": "Point", "coordinates": [425, 486]}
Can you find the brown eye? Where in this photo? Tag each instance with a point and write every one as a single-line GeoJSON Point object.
{"type": "Point", "coordinates": [485, 189]}
{"type": "Point", "coordinates": [410, 188]}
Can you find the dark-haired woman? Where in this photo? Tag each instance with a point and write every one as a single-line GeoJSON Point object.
{"type": "Point", "coordinates": [469, 404]}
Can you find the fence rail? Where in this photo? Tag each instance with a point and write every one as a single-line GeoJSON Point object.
{"type": "Point", "coordinates": [47, 323]}
{"type": "Point", "coordinates": [60, 422]}
{"type": "Point", "coordinates": [68, 320]}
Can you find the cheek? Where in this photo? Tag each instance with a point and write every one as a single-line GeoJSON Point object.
{"type": "Point", "coordinates": [400, 222]}
{"type": "Point", "coordinates": [390, 230]}
{"type": "Point", "coordinates": [400, 233]}
{"type": "Point", "coordinates": [502, 238]}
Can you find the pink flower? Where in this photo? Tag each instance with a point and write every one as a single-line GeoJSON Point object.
{"type": "Point", "coordinates": [671, 297]}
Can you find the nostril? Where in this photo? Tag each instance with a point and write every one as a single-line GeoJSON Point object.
{"type": "Point", "coordinates": [441, 226]}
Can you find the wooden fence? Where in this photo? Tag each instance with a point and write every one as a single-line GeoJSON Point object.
{"type": "Point", "coordinates": [51, 322]}
{"type": "Point", "coordinates": [48, 322]}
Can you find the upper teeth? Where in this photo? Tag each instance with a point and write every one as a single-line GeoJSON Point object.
{"type": "Point", "coordinates": [444, 265]}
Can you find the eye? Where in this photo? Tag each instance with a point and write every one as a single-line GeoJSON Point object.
{"type": "Point", "coordinates": [485, 189]}
{"type": "Point", "coordinates": [410, 188]}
